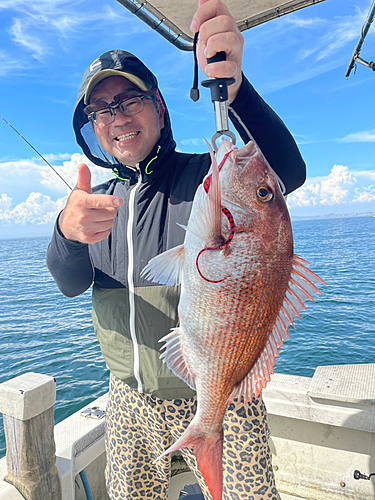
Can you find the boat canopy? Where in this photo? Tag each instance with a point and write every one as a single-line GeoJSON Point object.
{"type": "Point", "coordinates": [172, 18]}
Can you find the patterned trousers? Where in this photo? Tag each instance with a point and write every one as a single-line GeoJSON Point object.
{"type": "Point", "coordinates": [139, 427]}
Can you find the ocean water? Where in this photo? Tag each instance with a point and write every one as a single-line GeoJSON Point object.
{"type": "Point", "coordinates": [44, 332]}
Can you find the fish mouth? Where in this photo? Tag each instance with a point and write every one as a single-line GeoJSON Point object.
{"type": "Point", "coordinates": [250, 149]}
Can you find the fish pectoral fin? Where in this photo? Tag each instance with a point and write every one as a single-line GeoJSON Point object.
{"type": "Point", "coordinates": [166, 267]}
{"type": "Point", "coordinates": [300, 287]}
{"type": "Point", "coordinates": [174, 357]}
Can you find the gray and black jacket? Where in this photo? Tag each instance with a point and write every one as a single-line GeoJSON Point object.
{"type": "Point", "coordinates": [130, 314]}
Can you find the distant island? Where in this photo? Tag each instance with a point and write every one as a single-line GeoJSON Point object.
{"type": "Point", "coordinates": [333, 216]}
{"type": "Point", "coordinates": [30, 231]}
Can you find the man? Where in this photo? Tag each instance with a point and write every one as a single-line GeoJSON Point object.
{"type": "Point", "coordinates": [106, 237]}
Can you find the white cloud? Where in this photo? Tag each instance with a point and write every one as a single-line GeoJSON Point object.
{"type": "Point", "coordinates": [8, 64]}
{"type": "Point", "coordinates": [23, 4]}
{"type": "Point", "coordinates": [337, 33]}
{"type": "Point", "coordinates": [34, 173]}
{"type": "Point", "coordinates": [60, 16]}
{"type": "Point", "coordinates": [18, 173]}
{"type": "Point", "coordinates": [192, 142]}
{"type": "Point", "coordinates": [31, 42]}
{"type": "Point", "coordinates": [5, 202]}
{"type": "Point", "coordinates": [335, 188]}
{"type": "Point", "coordinates": [324, 45]}
{"type": "Point", "coordinates": [366, 175]}
{"type": "Point", "coordinates": [42, 27]}
{"type": "Point", "coordinates": [341, 188]}
{"type": "Point", "coordinates": [364, 136]}
{"type": "Point", "coordinates": [69, 172]}
{"type": "Point", "coordinates": [37, 209]}
{"type": "Point", "coordinates": [57, 156]}
{"type": "Point", "coordinates": [297, 22]}
{"type": "Point", "coordinates": [341, 191]}
{"type": "Point", "coordinates": [306, 196]}
{"type": "Point", "coordinates": [367, 196]}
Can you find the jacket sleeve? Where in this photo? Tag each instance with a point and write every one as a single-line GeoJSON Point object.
{"type": "Point", "coordinates": [70, 264]}
{"type": "Point", "coordinates": [255, 120]}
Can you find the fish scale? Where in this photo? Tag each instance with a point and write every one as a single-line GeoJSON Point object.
{"type": "Point", "coordinates": [237, 300]}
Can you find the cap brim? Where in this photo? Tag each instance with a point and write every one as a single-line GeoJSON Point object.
{"type": "Point", "coordinates": [114, 72]}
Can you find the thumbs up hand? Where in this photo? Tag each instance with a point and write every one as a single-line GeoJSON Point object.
{"type": "Point", "coordinates": [88, 217]}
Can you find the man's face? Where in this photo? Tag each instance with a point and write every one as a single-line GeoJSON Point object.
{"type": "Point", "coordinates": [129, 139]}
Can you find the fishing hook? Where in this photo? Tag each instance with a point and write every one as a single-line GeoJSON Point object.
{"type": "Point", "coordinates": [206, 186]}
{"type": "Point", "coordinates": [231, 234]}
{"type": "Point", "coordinates": [37, 152]}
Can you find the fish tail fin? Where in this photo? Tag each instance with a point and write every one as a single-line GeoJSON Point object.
{"type": "Point", "coordinates": [208, 451]}
{"type": "Point", "coordinates": [209, 455]}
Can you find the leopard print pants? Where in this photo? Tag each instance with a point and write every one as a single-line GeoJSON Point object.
{"type": "Point", "coordinates": [139, 427]}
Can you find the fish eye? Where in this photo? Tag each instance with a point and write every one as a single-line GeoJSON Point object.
{"type": "Point", "coordinates": [264, 193]}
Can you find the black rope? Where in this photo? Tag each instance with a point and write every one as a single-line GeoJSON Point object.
{"type": "Point", "coordinates": [194, 91]}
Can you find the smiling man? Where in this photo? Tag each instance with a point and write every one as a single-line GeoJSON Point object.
{"type": "Point", "coordinates": [106, 235]}
{"type": "Point", "coordinates": [130, 136]}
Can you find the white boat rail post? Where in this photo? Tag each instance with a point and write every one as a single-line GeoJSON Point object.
{"type": "Point", "coordinates": [26, 403]}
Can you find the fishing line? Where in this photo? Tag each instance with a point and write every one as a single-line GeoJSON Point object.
{"type": "Point", "coordinates": [37, 152]}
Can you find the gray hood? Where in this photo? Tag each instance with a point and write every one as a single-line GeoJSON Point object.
{"type": "Point", "coordinates": [125, 62]}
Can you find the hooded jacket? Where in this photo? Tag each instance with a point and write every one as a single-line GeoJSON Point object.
{"type": "Point", "coordinates": [131, 314]}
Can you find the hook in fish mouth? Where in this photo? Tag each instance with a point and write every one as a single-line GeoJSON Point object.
{"type": "Point", "coordinates": [230, 237]}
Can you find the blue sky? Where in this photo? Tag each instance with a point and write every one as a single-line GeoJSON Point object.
{"type": "Point", "coordinates": [297, 63]}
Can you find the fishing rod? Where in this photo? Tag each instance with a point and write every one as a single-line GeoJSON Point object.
{"type": "Point", "coordinates": [37, 152]}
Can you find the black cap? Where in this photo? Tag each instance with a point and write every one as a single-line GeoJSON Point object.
{"type": "Point", "coordinates": [117, 63]}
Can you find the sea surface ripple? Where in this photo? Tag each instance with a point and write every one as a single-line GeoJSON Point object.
{"type": "Point", "coordinates": [42, 331]}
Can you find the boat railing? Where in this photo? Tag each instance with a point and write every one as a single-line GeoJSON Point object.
{"type": "Point", "coordinates": [322, 439]}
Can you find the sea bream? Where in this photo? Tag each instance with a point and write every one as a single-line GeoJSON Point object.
{"type": "Point", "coordinates": [241, 288]}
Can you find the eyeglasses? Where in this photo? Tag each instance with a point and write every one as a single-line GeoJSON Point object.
{"type": "Point", "coordinates": [102, 113]}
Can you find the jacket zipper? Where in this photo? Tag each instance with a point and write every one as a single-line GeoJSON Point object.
{"type": "Point", "coordinates": [129, 239]}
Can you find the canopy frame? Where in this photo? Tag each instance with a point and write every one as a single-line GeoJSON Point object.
{"type": "Point", "coordinates": [355, 57]}
{"type": "Point", "coordinates": [183, 41]}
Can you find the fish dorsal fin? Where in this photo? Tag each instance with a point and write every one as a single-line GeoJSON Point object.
{"type": "Point", "coordinates": [166, 267]}
{"type": "Point", "coordinates": [205, 222]}
{"type": "Point", "coordinates": [174, 357]}
{"type": "Point", "coordinates": [300, 287]}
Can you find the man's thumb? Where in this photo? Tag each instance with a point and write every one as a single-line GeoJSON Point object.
{"type": "Point", "coordinates": [84, 178]}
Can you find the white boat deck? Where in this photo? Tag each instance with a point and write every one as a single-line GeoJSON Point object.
{"type": "Point", "coordinates": [322, 429]}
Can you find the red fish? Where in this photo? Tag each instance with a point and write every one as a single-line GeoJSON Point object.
{"type": "Point", "coordinates": [241, 288]}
